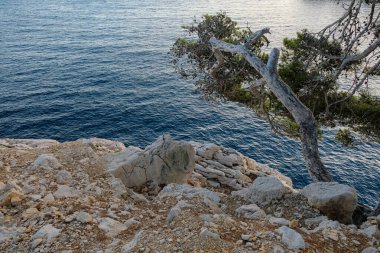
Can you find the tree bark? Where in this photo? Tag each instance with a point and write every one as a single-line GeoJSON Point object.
{"type": "Point", "coordinates": [301, 114]}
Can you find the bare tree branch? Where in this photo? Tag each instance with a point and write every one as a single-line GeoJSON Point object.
{"type": "Point", "coordinates": [302, 115]}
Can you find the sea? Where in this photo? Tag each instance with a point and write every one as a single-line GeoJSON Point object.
{"type": "Point", "coordinates": [73, 69]}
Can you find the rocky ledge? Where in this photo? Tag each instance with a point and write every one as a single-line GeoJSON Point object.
{"type": "Point", "coordinates": [96, 195]}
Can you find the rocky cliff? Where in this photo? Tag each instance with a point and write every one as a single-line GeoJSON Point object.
{"type": "Point", "coordinates": [96, 195]}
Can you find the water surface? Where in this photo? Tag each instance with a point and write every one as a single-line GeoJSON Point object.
{"type": "Point", "coordinates": [82, 68]}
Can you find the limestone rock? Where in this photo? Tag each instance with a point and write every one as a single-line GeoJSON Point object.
{"type": "Point", "coordinates": [65, 191]}
{"type": "Point", "coordinates": [29, 143]}
{"type": "Point", "coordinates": [177, 190]}
{"type": "Point", "coordinates": [48, 198]}
{"type": "Point", "coordinates": [291, 238]}
{"type": "Point", "coordinates": [132, 244]}
{"type": "Point", "coordinates": [176, 210]}
{"type": "Point", "coordinates": [279, 221]}
{"type": "Point", "coordinates": [370, 250]}
{"type": "Point", "coordinates": [30, 212]}
{"type": "Point", "coordinates": [84, 217]}
{"type": "Point", "coordinates": [251, 211]}
{"type": "Point", "coordinates": [207, 150]}
{"type": "Point", "coordinates": [336, 200]}
{"type": "Point", "coordinates": [47, 232]}
{"type": "Point", "coordinates": [131, 222]}
{"type": "Point", "coordinates": [265, 189]}
{"type": "Point", "coordinates": [314, 222]}
{"type": "Point", "coordinates": [111, 227]}
{"type": "Point", "coordinates": [327, 224]}
{"type": "Point", "coordinates": [7, 233]}
{"type": "Point", "coordinates": [163, 162]}
{"type": "Point", "coordinates": [207, 234]}
{"type": "Point", "coordinates": [45, 161]}
{"type": "Point", "coordinates": [104, 144]}
{"type": "Point", "coordinates": [63, 177]}
{"type": "Point", "coordinates": [372, 231]}
{"type": "Point", "coordinates": [12, 196]}
{"type": "Point", "coordinates": [117, 186]}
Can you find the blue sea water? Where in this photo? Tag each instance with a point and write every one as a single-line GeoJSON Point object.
{"type": "Point", "coordinates": [82, 68]}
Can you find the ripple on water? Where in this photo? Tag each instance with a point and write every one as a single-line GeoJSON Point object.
{"type": "Point", "coordinates": [76, 69]}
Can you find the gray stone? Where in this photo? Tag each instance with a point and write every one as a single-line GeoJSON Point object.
{"type": "Point", "coordinates": [174, 212]}
{"type": "Point", "coordinates": [132, 244]}
{"type": "Point", "coordinates": [251, 211]}
{"type": "Point", "coordinates": [265, 189]}
{"type": "Point", "coordinates": [7, 233]}
{"type": "Point", "coordinates": [177, 190]}
{"type": "Point", "coordinates": [45, 161]}
{"type": "Point", "coordinates": [104, 144]}
{"type": "Point", "coordinates": [372, 231]}
{"type": "Point", "coordinates": [47, 232]}
{"type": "Point", "coordinates": [213, 183]}
{"type": "Point", "coordinates": [291, 238]}
{"type": "Point", "coordinates": [328, 224]}
{"type": "Point", "coordinates": [370, 250]}
{"type": "Point", "coordinates": [245, 237]}
{"type": "Point", "coordinates": [314, 222]}
{"type": "Point", "coordinates": [111, 227]}
{"type": "Point", "coordinates": [84, 217]}
{"type": "Point", "coordinates": [229, 159]}
{"type": "Point", "coordinates": [63, 177]}
{"type": "Point", "coordinates": [163, 162]}
{"type": "Point", "coordinates": [207, 234]}
{"type": "Point", "coordinates": [336, 200]}
{"type": "Point", "coordinates": [131, 222]}
{"type": "Point", "coordinates": [279, 221]}
{"type": "Point", "coordinates": [48, 198]}
{"type": "Point", "coordinates": [207, 150]}
{"type": "Point", "coordinates": [65, 191]}
{"type": "Point", "coordinates": [29, 143]}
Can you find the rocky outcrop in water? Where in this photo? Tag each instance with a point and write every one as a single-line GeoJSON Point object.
{"type": "Point", "coordinates": [66, 197]}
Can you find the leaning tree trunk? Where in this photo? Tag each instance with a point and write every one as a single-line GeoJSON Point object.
{"type": "Point", "coordinates": [302, 115]}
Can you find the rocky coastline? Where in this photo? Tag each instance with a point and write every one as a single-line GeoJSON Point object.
{"type": "Point", "coordinates": [96, 195]}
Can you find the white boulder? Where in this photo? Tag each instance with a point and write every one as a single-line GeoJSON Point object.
{"type": "Point", "coordinates": [163, 162]}
{"type": "Point", "coordinates": [291, 238]}
{"type": "Point", "coordinates": [336, 200]}
{"type": "Point", "coordinates": [265, 189]}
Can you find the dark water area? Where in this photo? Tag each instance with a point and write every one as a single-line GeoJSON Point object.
{"type": "Point", "coordinates": [83, 68]}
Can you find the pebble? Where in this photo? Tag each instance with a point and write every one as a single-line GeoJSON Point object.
{"type": "Point", "coordinates": [245, 237]}
{"type": "Point", "coordinates": [205, 233]}
{"type": "Point", "coordinates": [370, 250]}
{"type": "Point", "coordinates": [63, 177]}
{"type": "Point", "coordinates": [46, 232]}
{"type": "Point", "coordinates": [84, 217]}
